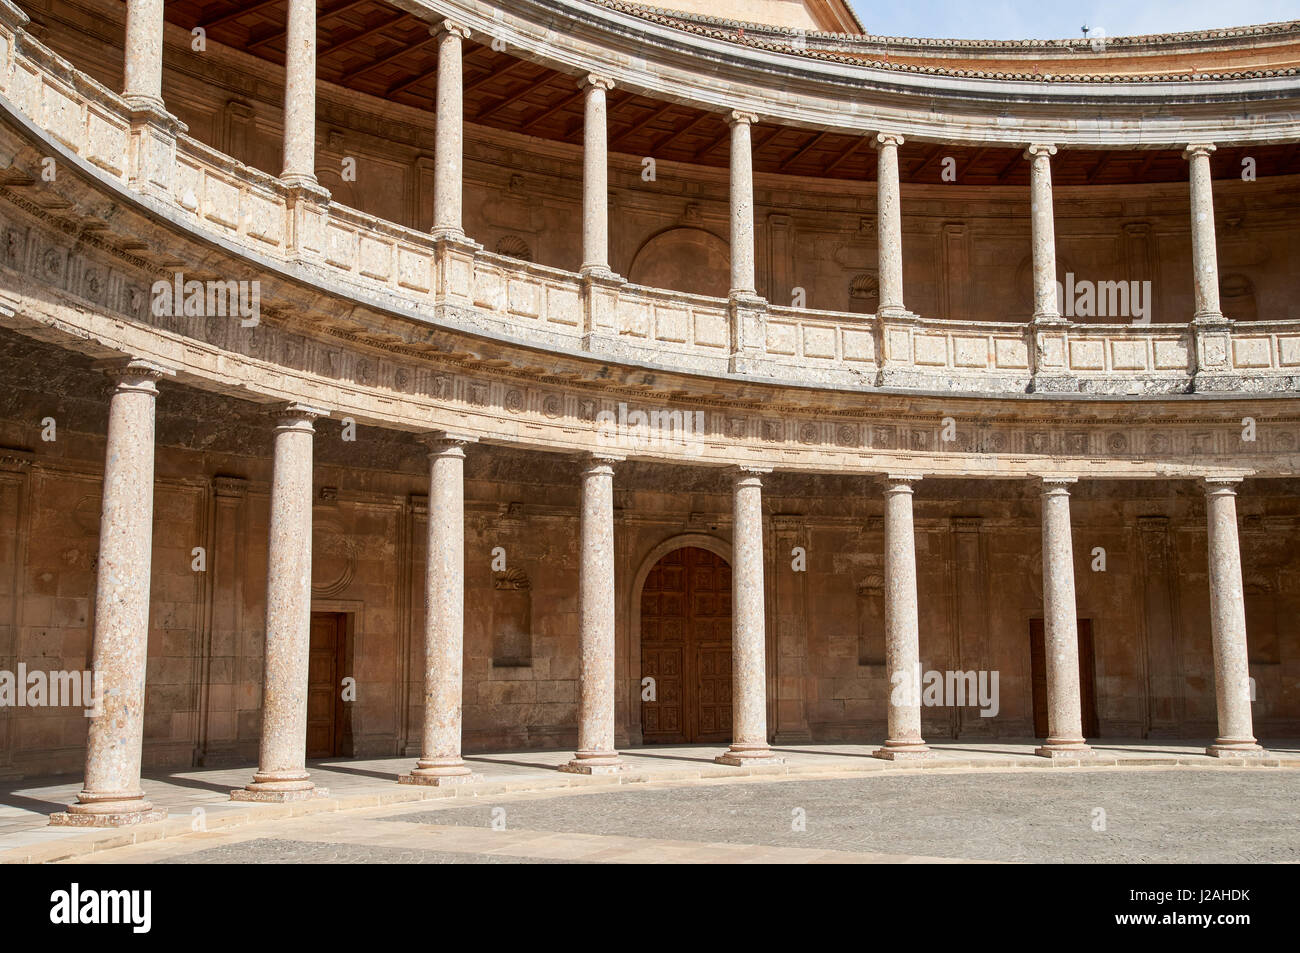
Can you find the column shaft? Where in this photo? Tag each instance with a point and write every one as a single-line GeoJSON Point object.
{"type": "Point", "coordinates": [595, 178]}
{"type": "Point", "coordinates": [1205, 255]}
{"type": "Point", "coordinates": [902, 633]}
{"type": "Point", "coordinates": [1060, 626]}
{"type": "Point", "coordinates": [748, 626]}
{"type": "Point", "coordinates": [889, 225]}
{"type": "Point", "coordinates": [449, 147]}
{"type": "Point", "coordinates": [444, 619]}
{"type": "Point", "coordinates": [282, 759]}
{"type": "Point", "coordinates": [742, 205]}
{"type": "Point", "coordinates": [596, 754]}
{"type": "Point", "coordinates": [300, 94]}
{"type": "Point", "coordinates": [111, 795]}
{"type": "Point", "coordinates": [1228, 625]}
{"type": "Point", "coordinates": [142, 69]}
{"type": "Point", "coordinates": [1042, 218]}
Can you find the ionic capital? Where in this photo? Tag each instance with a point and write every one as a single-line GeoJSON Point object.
{"type": "Point", "coordinates": [1036, 149]}
{"type": "Point", "coordinates": [449, 26]}
{"type": "Point", "coordinates": [882, 139]}
{"type": "Point", "coordinates": [1198, 149]}
{"type": "Point", "coordinates": [737, 117]}
{"type": "Point", "coordinates": [595, 81]}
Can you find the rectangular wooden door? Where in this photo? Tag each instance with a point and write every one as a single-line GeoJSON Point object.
{"type": "Point", "coordinates": [1087, 678]}
{"type": "Point", "coordinates": [325, 671]}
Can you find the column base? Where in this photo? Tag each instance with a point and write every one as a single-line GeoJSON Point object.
{"type": "Point", "coordinates": [595, 763]}
{"type": "Point", "coordinates": [278, 788]}
{"type": "Point", "coordinates": [904, 751]}
{"type": "Point", "coordinates": [1060, 750]}
{"type": "Point", "coordinates": [1235, 749]}
{"type": "Point", "coordinates": [112, 810]}
{"type": "Point", "coordinates": [748, 756]}
{"type": "Point", "coordinates": [437, 772]}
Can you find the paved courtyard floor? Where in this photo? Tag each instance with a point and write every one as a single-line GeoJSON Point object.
{"type": "Point", "coordinates": [984, 802]}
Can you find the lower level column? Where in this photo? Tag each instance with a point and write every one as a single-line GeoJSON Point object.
{"type": "Point", "coordinates": [111, 795]}
{"type": "Point", "coordinates": [596, 754]}
{"type": "Point", "coordinates": [282, 759]}
{"type": "Point", "coordinates": [1228, 625]}
{"type": "Point", "coordinates": [444, 618]}
{"type": "Point", "coordinates": [748, 626]}
{"type": "Point", "coordinates": [1060, 626]}
{"type": "Point", "coordinates": [902, 631]}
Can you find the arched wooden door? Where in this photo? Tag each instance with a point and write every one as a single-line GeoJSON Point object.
{"type": "Point", "coordinates": [686, 648]}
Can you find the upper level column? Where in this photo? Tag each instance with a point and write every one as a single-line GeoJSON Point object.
{"type": "Point", "coordinates": [742, 204]}
{"type": "Point", "coordinates": [889, 224]}
{"type": "Point", "coordinates": [449, 149]}
{"type": "Point", "coordinates": [1043, 223]}
{"type": "Point", "coordinates": [1205, 255]}
{"type": "Point", "coordinates": [299, 94]}
{"type": "Point", "coordinates": [142, 70]}
{"type": "Point", "coordinates": [595, 178]}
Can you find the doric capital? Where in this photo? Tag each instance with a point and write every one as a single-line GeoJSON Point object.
{"type": "Point", "coordinates": [296, 414]}
{"type": "Point", "coordinates": [595, 81]}
{"type": "Point", "coordinates": [746, 475]}
{"type": "Point", "coordinates": [1057, 485]}
{"type": "Point", "coordinates": [134, 373]}
{"type": "Point", "coordinates": [446, 443]}
{"type": "Point", "coordinates": [901, 481]}
{"type": "Point", "coordinates": [887, 139]}
{"type": "Point", "coordinates": [737, 117]}
{"type": "Point", "coordinates": [1221, 485]}
{"type": "Point", "coordinates": [449, 26]}
{"type": "Point", "coordinates": [1036, 149]}
{"type": "Point", "coordinates": [1198, 149]}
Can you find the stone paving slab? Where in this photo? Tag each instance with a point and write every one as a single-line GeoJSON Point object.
{"type": "Point", "coordinates": [198, 799]}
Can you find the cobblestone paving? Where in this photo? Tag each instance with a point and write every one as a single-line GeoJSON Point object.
{"type": "Point", "coordinates": [266, 850]}
{"type": "Point", "coordinates": [1035, 816]}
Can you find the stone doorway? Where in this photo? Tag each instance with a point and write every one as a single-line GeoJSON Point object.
{"type": "Point", "coordinates": [329, 716]}
{"type": "Point", "coordinates": [1087, 678]}
{"type": "Point", "coordinates": [686, 648]}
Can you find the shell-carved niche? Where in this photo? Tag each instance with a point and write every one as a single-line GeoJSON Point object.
{"type": "Point", "coordinates": [864, 294]}
{"type": "Point", "coordinates": [512, 619]}
{"type": "Point", "coordinates": [333, 555]}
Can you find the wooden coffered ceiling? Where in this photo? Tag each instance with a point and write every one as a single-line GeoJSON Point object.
{"type": "Point", "coordinates": [377, 50]}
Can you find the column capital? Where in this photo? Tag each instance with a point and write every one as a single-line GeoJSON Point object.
{"type": "Point", "coordinates": [743, 474]}
{"type": "Point", "coordinates": [1055, 485]}
{"type": "Point", "coordinates": [1198, 149]}
{"type": "Point", "coordinates": [1036, 149]}
{"type": "Point", "coordinates": [737, 117]}
{"type": "Point", "coordinates": [1221, 485]}
{"type": "Point", "coordinates": [296, 412]}
{"type": "Point", "coordinates": [446, 443]}
{"type": "Point", "coordinates": [595, 459]}
{"type": "Point", "coordinates": [901, 481]}
{"type": "Point", "coordinates": [449, 26]}
{"type": "Point", "coordinates": [134, 372]}
{"type": "Point", "coordinates": [886, 139]}
{"type": "Point", "coordinates": [595, 81]}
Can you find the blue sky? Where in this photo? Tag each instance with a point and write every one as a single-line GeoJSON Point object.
{"type": "Point", "coordinates": [1052, 19]}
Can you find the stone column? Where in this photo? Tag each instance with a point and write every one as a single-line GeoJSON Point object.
{"type": "Point", "coordinates": [902, 634]}
{"type": "Point", "coordinates": [595, 178]}
{"type": "Point", "coordinates": [300, 95]}
{"type": "Point", "coordinates": [1060, 626]}
{"type": "Point", "coordinates": [1043, 224]}
{"type": "Point", "coordinates": [1205, 255]}
{"type": "Point", "coordinates": [748, 628]}
{"type": "Point", "coordinates": [596, 754]}
{"type": "Point", "coordinates": [444, 617]}
{"type": "Point", "coordinates": [449, 148]}
{"type": "Point", "coordinates": [142, 70]}
{"type": "Point", "coordinates": [889, 225]}
{"type": "Point", "coordinates": [111, 795]}
{"type": "Point", "coordinates": [282, 759]}
{"type": "Point", "coordinates": [742, 205]}
{"type": "Point", "coordinates": [1228, 625]}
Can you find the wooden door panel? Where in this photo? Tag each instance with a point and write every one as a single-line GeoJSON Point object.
{"type": "Point", "coordinates": [686, 648]}
{"type": "Point", "coordinates": [323, 684]}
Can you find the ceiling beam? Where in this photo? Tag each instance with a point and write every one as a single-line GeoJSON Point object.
{"type": "Point", "coordinates": [236, 14]}
{"type": "Point", "coordinates": [363, 35]}
{"type": "Point", "coordinates": [1100, 167]}
{"type": "Point", "coordinates": [666, 140]}
{"type": "Point", "coordinates": [320, 18]}
{"type": "Point", "coordinates": [640, 124]}
{"type": "Point", "coordinates": [847, 154]}
{"type": "Point", "coordinates": [551, 110]}
{"type": "Point", "coordinates": [802, 151]}
{"type": "Point", "coordinates": [532, 86]}
{"type": "Point", "coordinates": [370, 67]}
